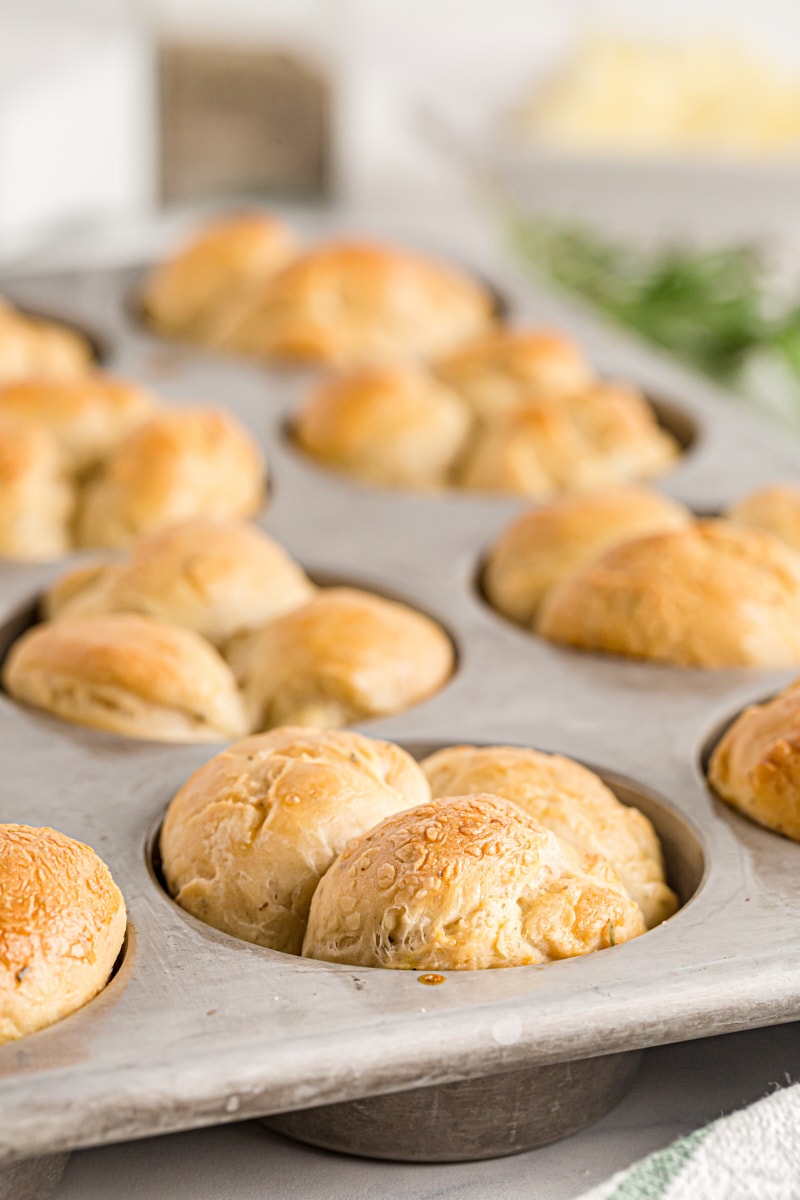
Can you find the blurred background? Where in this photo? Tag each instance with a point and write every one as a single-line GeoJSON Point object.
{"type": "Point", "coordinates": [647, 157]}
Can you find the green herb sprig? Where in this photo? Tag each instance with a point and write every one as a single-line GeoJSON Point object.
{"type": "Point", "coordinates": [712, 308]}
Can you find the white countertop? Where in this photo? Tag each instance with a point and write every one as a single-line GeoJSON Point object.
{"type": "Point", "coordinates": [678, 1088]}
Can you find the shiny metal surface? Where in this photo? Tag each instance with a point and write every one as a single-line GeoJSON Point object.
{"type": "Point", "coordinates": [32, 1178]}
{"type": "Point", "coordinates": [488, 1117]}
{"type": "Point", "coordinates": [197, 1028]}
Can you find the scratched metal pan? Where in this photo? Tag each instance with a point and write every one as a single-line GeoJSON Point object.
{"type": "Point", "coordinates": [198, 1028]}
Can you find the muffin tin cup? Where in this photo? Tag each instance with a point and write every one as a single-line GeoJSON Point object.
{"type": "Point", "coordinates": [489, 1117]}
{"type": "Point", "coordinates": [198, 1028]}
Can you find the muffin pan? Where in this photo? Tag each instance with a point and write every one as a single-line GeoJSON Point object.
{"type": "Point", "coordinates": [198, 1028]}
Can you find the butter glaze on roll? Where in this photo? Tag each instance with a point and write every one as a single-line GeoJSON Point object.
{"type": "Point", "coordinates": [181, 464]}
{"type": "Point", "coordinates": [398, 428]}
{"type": "Point", "coordinates": [465, 883]}
{"type": "Point", "coordinates": [356, 303]}
{"type": "Point", "coordinates": [571, 802]}
{"type": "Point", "coordinates": [217, 578]}
{"type": "Point", "coordinates": [127, 674]}
{"type": "Point", "coordinates": [756, 765]}
{"type": "Point", "coordinates": [547, 544]}
{"type": "Point", "coordinates": [62, 924]}
{"type": "Point", "coordinates": [344, 656]}
{"type": "Point", "coordinates": [714, 594]}
{"type": "Point", "coordinates": [248, 836]}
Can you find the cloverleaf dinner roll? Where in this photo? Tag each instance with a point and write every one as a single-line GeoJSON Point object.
{"type": "Point", "coordinates": [571, 802]}
{"type": "Point", "coordinates": [62, 925]}
{"type": "Point", "coordinates": [756, 764]}
{"type": "Point", "coordinates": [358, 303]}
{"type": "Point", "coordinates": [87, 417]}
{"type": "Point", "coordinates": [185, 463]}
{"type": "Point", "coordinates": [37, 500]}
{"type": "Point", "coordinates": [504, 369]}
{"type": "Point", "coordinates": [191, 293]}
{"type": "Point", "coordinates": [775, 509]}
{"type": "Point", "coordinates": [128, 674]}
{"type": "Point", "coordinates": [713, 594]}
{"type": "Point", "coordinates": [548, 544]}
{"type": "Point", "coordinates": [344, 656]}
{"type": "Point", "coordinates": [129, 645]}
{"type": "Point", "coordinates": [218, 578]}
{"type": "Point", "coordinates": [247, 838]}
{"type": "Point", "coordinates": [45, 349]}
{"type": "Point", "coordinates": [465, 883]}
{"type": "Point", "coordinates": [601, 435]}
{"type": "Point", "coordinates": [399, 427]}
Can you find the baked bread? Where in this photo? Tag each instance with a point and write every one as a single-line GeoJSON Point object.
{"type": "Point", "coordinates": [73, 585]}
{"type": "Point", "coordinates": [714, 594]}
{"type": "Point", "coordinates": [569, 801]}
{"type": "Point", "coordinates": [248, 836]}
{"type": "Point", "coordinates": [344, 656]}
{"type": "Point", "coordinates": [127, 674]}
{"type": "Point", "coordinates": [181, 464]}
{"type": "Point", "coordinates": [356, 303]}
{"type": "Point", "coordinates": [776, 509]}
{"type": "Point", "coordinates": [33, 346]}
{"type": "Point", "coordinates": [192, 292]}
{"type": "Point", "coordinates": [397, 427]}
{"type": "Point", "coordinates": [500, 371]}
{"type": "Point", "coordinates": [547, 544]}
{"type": "Point", "coordinates": [36, 499]}
{"type": "Point", "coordinates": [62, 925]}
{"type": "Point", "coordinates": [88, 417]}
{"type": "Point", "coordinates": [602, 435]}
{"type": "Point", "coordinates": [218, 578]}
{"type": "Point", "coordinates": [465, 883]}
{"type": "Point", "coordinates": [756, 764]}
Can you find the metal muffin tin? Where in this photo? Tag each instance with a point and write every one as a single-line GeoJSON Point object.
{"type": "Point", "coordinates": [199, 1028]}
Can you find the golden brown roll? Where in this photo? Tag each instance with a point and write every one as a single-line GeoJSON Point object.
{"type": "Point", "coordinates": [775, 509]}
{"type": "Point", "coordinates": [33, 346]}
{"type": "Point", "coordinates": [248, 836]}
{"type": "Point", "coordinates": [756, 765]}
{"type": "Point", "coordinates": [88, 417]}
{"type": "Point", "coordinates": [62, 925]}
{"type": "Point", "coordinates": [397, 427]}
{"type": "Point", "coordinates": [190, 293]}
{"type": "Point", "coordinates": [547, 544]}
{"type": "Point", "coordinates": [357, 303]}
{"type": "Point", "coordinates": [502, 370]}
{"type": "Point", "coordinates": [127, 674]}
{"type": "Point", "coordinates": [713, 594]}
{"type": "Point", "coordinates": [603, 435]}
{"type": "Point", "coordinates": [36, 499]}
{"type": "Point", "coordinates": [181, 464]}
{"type": "Point", "coordinates": [344, 656]}
{"type": "Point", "coordinates": [219, 578]}
{"type": "Point", "coordinates": [569, 801]}
{"type": "Point", "coordinates": [71, 586]}
{"type": "Point", "coordinates": [465, 883]}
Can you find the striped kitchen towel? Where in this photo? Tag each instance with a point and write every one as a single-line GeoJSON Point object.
{"type": "Point", "coordinates": [751, 1155]}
